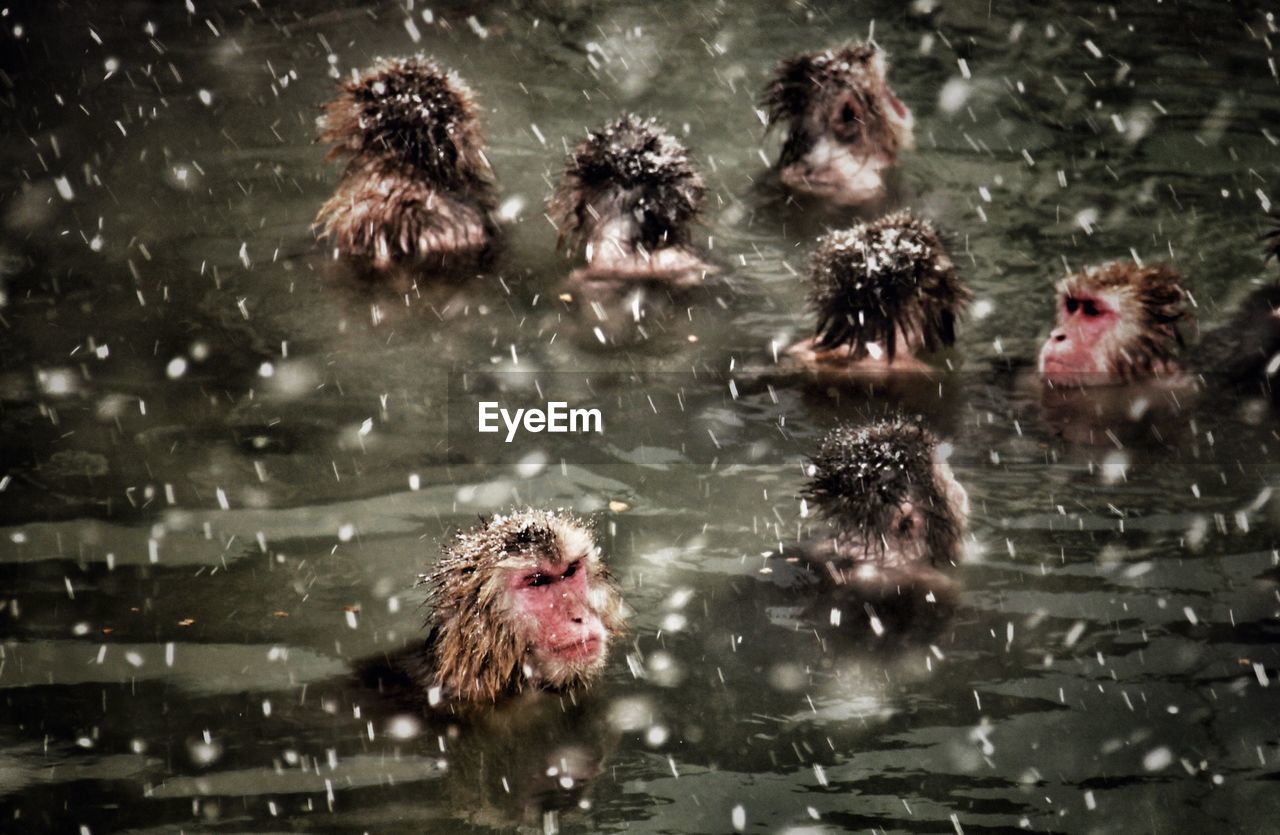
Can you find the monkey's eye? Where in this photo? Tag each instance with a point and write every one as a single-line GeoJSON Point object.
{"type": "Point", "coordinates": [571, 570]}
{"type": "Point", "coordinates": [1072, 304]}
{"type": "Point", "coordinates": [1090, 308]}
{"type": "Point", "coordinates": [847, 115]}
{"type": "Point", "coordinates": [539, 579]}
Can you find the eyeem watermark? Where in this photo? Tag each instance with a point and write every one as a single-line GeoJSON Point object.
{"type": "Point", "coordinates": [557, 417]}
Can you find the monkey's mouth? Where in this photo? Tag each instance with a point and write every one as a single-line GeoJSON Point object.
{"type": "Point", "coordinates": [1062, 373]}
{"type": "Point", "coordinates": [587, 649]}
{"type": "Point", "coordinates": [840, 173]}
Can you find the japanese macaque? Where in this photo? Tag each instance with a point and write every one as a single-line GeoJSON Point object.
{"type": "Point", "coordinates": [885, 293]}
{"type": "Point", "coordinates": [417, 189]}
{"type": "Point", "coordinates": [628, 197]}
{"type": "Point", "coordinates": [844, 124]}
{"type": "Point", "coordinates": [521, 602]}
{"type": "Point", "coordinates": [1118, 323]}
{"type": "Point", "coordinates": [889, 495]}
{"type": "Point", "coordinates": [896, 513]}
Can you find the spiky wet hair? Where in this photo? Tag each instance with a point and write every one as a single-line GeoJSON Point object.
{"type": "Point", "coordinates": [801, 82]}
{"type": "Point", "coordinates": [1153, 339]}
{"type": "Point", "coordinates": [409, 112]}
{"type": "Point", "coordinates": [476, 654]}
{"type": "Point", "coordinates": [1271, 238]}
{"type": "Point", "coordinates": [643, 165]}
{"type": "Point", "coordinates": [861, 474]}
{"type": "Point", "coordinates": [872, 280]}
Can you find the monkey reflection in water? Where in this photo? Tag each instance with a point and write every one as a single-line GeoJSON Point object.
{"type": "Point", "coordinates": [522, 615]}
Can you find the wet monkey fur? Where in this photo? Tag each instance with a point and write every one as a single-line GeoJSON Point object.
{"type": "Point", "coordinates": [888, 497]}
{"type": "Point", "coordinates": [523, 601]}
{"type": "Point", "coordinates": [885, 295]}
{"type": "Point", "coordinates": [844, 125]}
{"type": "Point", "coordinates": [417, 189]}
{"type": "Point", "coordinates": [1116, 323]}
{"type": "Point", "coordinates": [628, 198]}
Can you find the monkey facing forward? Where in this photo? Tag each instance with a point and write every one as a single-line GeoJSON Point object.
{"type": "Point", "coordinates": [844, 124]}
{"type": "Point", "coordinates": [523, 601]}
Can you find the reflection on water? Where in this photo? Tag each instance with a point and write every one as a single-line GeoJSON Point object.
{"type": "Point", "coordinates": [225, 461]}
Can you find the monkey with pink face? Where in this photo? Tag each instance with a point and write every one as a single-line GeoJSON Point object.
{"type": "Point", "coordinates": [1113, 366]}
{"type": "Point", "coordinates": [1117, 323]}
{"type": "Point", "coordinates": [522, 602]}
{"type": "Point", "coordinates": [520, 607]}
{"type": "Point", "coordinates": [1122, 323]}
{"type": "Point", "coordinates": [844, 125]}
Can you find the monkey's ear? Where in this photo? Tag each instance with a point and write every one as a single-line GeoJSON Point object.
{"type": "Point", "coordinates": [789, 90]}
{"type": "Point", "coordinates": [878, 63]}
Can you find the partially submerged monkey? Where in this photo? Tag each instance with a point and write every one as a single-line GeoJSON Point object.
{"type": "Point", "coordinates": [417, 189]}
{"type": "Point", "coordinates": [628, 197]}
{"type": "Point", "coordinates": [895, 520]}
{"type": "Point", "coordinates": [885, 293]}
{"type": "Point", "coordinates": [895, 515]}
{"type": "Point", "coordinates": [844, 124]}
{"type": "Point", "coordinates": [1245, 351]}
{"type": "Point", "coordinates": [1117, 323]}
{"type": "Point", "coordinates": [523, 601]}
{"type": "Point", "coordinates": [1119, 338]}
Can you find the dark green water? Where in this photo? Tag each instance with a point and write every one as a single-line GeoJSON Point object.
{"type": "Point", "coordinates": [190, 563]}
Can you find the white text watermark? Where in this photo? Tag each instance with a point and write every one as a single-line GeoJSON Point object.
{"type": "Point", "coordinates": [556, 417]}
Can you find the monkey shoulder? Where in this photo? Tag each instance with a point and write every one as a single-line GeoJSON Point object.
{"type": "Point", "coordinates": [829, 564]}
{"type": "Point", "coordinates": [863, 598]}
{"type": "Point", "coordinates": [1242, 352]}
{"type": "Point", "coordinates": [383, 216]}
{"type": "Point", "coordinates": [837, 365]}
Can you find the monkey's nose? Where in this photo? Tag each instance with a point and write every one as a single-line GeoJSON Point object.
{"type": "Point", "coordinates": [1058, 336]}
